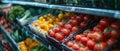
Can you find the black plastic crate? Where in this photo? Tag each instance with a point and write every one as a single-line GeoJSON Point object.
{"type": "Point", "coordinates": [80, 31]}
{"type": "Point", "coordinates": [89, 26]}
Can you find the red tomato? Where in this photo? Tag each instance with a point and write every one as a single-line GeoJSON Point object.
{"type": "Point", "coordinates": [69, 44]}
{"type": "Point", "coordinates": [61, 24]}
{"type": "Point", "coordinates": [59, 37]}
{"type": "Point", "coordinates": [115, 33]}
{"type": "Point", "coordinates": [104, 22]}
{"type": "Point", "coordinates": [84, 40]}
{"type": "Point", "coordinates": [51, 33]}
{"type": "Point", "coordinates": [75, 29]}
{"type": "Point", "coordinates": [73, 22]}
{"type": "Point", "coordinates": [75, 46]}
{"type": "Point", "coordinates": [82, 49]}
{"type": "Point", "coordinates": [111, 41]}
{"type": "Point", "coordinates": [86, 18]}
{"type": "Point", "coordinates": [97, 29]}
{"type": "Point", "coordinates": [77, 37]}
{"type": "Point", "coordinates": [97, 36]}
{"type": "Point", "coordinates": [90, 44]}
{"type": "Point", "coordinates": [107, 32]}
{"type": "Point", "coordinates": [86, 32]}
{"type": "Point", "coordinates": [115, 25]}
{"type": "Point", "coordinates": [100, 46]}
{"type": "Point", "coordinates": [80, 18]}
{"type": "Point", "coordinates": [103, 37]}
{"type": "Point", "coordinates": [101, 27]}
{"type": "Point", "coordinates": [68, 26]}
{"type": "Point", "coordinates": [0, 23]}
{"type": "Point", "coordinates": [104, 44]}
{"type": "Point", "coordinates": [65, 32]}
{"type": "Point", "coordinates": [57, 30]}
{"type": "Point", "coordinates": [82, 24]}
{"type": "Point", "coordinates": [73, 17]}
{"type": "Point", "coordinates": [90, 35]}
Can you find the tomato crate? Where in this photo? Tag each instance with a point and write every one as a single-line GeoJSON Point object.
{"type": "Point", "coordinates": [32, 42]}
{"type": "Point", "coordinates": [54, 42]}
{"type": "Point", "coordinates": [94, 36]}
{"type": "Point", "coordinates": [34, 29]}
{"type": "Point", "coordinates": [56, 30]}
{"type": "Point", "coordinates": [44, 23]}
{"type": "Point", "coordinates": [72, 37]}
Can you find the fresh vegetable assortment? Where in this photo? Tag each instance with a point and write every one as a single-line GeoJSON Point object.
{"type": "Point", "coordinates": [4, 43]}
{"type": "Point", "coordinates": [47, 22]}
{"type": "Point", "coordinates": [18, 35]}
{"type": "Point", "coordinates": [31, 45]}
{"type": "Point", "coordinates": [74, 24]}
{"type": "Point", "coordinates": [98, 38]}
{"type": "Point", "coordinates": [15, 33]}
{"type": "Point", "coordinates": [15, 12]}
{"type": "Point", "coordinates": [18, 11]}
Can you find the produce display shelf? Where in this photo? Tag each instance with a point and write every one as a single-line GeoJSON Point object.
{"type": "Point", "coordinates": [43, 40]}
{"type": "Point", "coordinates": [37, 37]}
{"type": "Point", "coordinates": [92, 11]}
{"type": "Point", "coordinates": [14, 45]}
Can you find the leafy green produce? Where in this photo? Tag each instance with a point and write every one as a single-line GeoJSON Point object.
{"type": "Point", "coordinates": [36, 48]}
{"type": "Point", "coordinates": [40, 48]}
{"type": "Point", "coordinates": [43, 49]}
{"type": "Point", "coordinates": [26, 15]}
{"type": "Point", "coordinates": [18, 35]}
{"type": "Point", "coordinates": [15, 12]}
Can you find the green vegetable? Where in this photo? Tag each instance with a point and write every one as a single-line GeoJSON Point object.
{"type": "Point", "coordinates": [43, 49]}
{"type": "Point", "coordinates": [36, 48]}
{"type": "Point", "coordinates": [15, 12]}
{"type": "Point", "coordinates": [16, 36]}
{"type": "Point", "coordinates": [26, 15]}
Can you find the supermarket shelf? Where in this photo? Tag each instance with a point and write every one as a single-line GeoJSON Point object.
{"type": "Point", "coordinates": [35, 36]}
{"type": "Point", "coordinates": [46, 44]}
{"type": "Point", "coordinates": [92, 11]}
{"type": "Point", "coordinates": [9, 38]}
{"type": "Point", "coordinates": [41, 39]}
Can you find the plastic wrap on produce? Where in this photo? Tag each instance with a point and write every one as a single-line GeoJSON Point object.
{"type": "Point", "coordinates": [34, 29]}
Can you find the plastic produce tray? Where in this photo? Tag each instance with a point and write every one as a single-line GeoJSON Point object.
{"type": "Point", "coordinates": [90, 25]}
{"type": "Point", "coordinates": [58, 44]}
{"type": "Point", "coordinates": [35, 29]}
{"type": "Point", "coordinates": [66, 48]}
